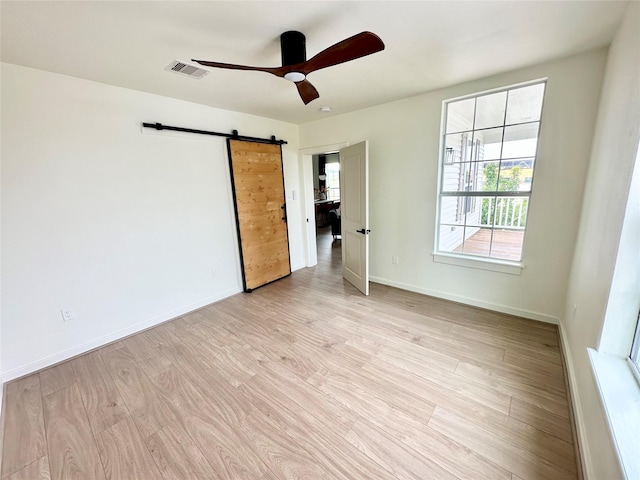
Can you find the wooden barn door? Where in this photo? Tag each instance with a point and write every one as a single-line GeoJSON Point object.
{"type": "Point", "coordinates": [261, 215]}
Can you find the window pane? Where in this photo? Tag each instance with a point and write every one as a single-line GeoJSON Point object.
{"type": "Point", "coordinates": [477, 241]}
{"type": "Point", "coordinates": [510, 212]}
{"type": "Point", "coordinates": [488, 176]}
{"type": "Point", "coordinates": [453, 177]}
{"type": "Point", "coordinates": [520, 140]}
{"type": "Point", "coordinates": [484, 212]}
{"type": "Point", "coordinates": [516, 175]}
{"type": "Point", "coordinates": [460, 115]}
{"type": "Point", "coordinates": [457, 147]}
{"type": "Point", "coordinates": [466, 177]}
{"type": "Point", "coordinates": [490, 110]}
{"type": "Point", "coordinates": [472, 209]}
{"type": "Point", "coordinates": [487, 144]}
{"type": "Point", "coordinates": [450, 238]}
{"type": "Point", "coordinates": [507, 244]}
{"type": "Point", "coordinates": [525, 104]}
{"type": "Point", "coordinates": [452, 210]}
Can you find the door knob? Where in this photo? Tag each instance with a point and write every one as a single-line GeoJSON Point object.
{"type": "Point", "coordinates": [363, 231]}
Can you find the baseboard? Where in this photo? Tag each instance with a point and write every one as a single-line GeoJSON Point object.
{"type": "Point", "coordinates": [112, 337]}
{"type": "Point", "coordinates": [541, 317]}
{"type": "Point", "coordinates": [299, 266]}
{"type": "Point", "coordinates": [576, 408]}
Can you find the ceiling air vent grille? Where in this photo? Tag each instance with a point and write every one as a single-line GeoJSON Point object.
{"type": "Point", "coordinates": [184, 69]}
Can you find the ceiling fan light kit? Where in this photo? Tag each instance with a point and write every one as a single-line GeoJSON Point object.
{"type": "Point", "coordinates": [295, 77]}
{"type": "Point", "coordinates": [295, 66]}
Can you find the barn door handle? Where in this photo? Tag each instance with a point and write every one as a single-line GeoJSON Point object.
{"type": "Point", "coordinates": [363, 231]}
{"type": "Point", "coordinates": [282, 207]}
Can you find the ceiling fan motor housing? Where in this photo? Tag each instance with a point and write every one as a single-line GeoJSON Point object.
{"type": "Point", "coordinates": [293, 46]}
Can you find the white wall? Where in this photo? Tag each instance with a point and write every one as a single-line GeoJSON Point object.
{"type": "Point", "coordinates": [120, 223]}
{"type": "Point", "coordinates": [404, 138]}
{"type": "Point", "coordinates": [607, 247]}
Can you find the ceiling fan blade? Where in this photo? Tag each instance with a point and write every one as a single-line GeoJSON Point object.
{"type": "Point", "coordinates": [277, 71]}
{"type": "Point", "coordinates": [307, 91]}
{"type": "Point", "coordinates": [359, 45]}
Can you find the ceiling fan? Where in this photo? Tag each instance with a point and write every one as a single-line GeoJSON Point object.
{"type": "Point", "coordinates": [295, 66]}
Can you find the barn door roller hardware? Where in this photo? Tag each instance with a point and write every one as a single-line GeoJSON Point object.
{"type": "Point", "coordinates": [234, 134]}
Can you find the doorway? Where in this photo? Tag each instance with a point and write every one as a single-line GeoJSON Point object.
{"type": "Point", "coordinates": [326, 196]}
{"type": "Point", "coordinates": [311, 192]}
{"type": "Point", "coordinates": [354, 206]}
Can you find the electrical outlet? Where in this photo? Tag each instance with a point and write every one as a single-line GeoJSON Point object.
{"type": "Point", "coordinates": [68, 314]}
{"type": "Point", "coordinates": [395, 260]}
{"type": "Point", "coordinates": [214, 272]}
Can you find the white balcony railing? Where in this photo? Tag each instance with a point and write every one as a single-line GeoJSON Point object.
{"type": "Point", "coordinates": [508, 212]}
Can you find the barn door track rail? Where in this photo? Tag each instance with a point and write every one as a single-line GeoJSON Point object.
{"type": "Point", "coordinates": [234, 134]}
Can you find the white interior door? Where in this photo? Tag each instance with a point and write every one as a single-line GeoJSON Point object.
{"type": "Point", "coordinates": [354, 210]}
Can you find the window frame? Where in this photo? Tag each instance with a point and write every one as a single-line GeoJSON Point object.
{"type": "Point", "coordinates": [634, 351]}
{"type": "Point", "coordinates": [446, 157]}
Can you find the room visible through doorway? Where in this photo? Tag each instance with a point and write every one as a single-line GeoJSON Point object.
{"type": "Point", "coordinates": [326, 196]}
{"type": "Point", "coordinates": [310, 172]}
{"type": "Point", "coordinates": [326, 209]}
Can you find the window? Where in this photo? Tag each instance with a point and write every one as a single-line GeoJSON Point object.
{"type": "Point", "coordinates": [332, 171]}
{"type": "Point", "coordinates": [489, 148]}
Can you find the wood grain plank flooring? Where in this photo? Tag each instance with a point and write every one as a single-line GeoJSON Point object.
{"type": "Point", "coordinates": [102, 400]}
{"type": "Point", "coordinates": [495, 448]}
{"type": "Point", "coordinates": [541, 419]}
{"type": "Point", "coordinates": [149, 410]}
{"type": "Point", "coordinates": [38, 470]}
{"type": "Point", "coordinates": [149, 357]}
{"type": "Point", "coordinates": [399, 460]}
{"type": "Point", "coordinates": [221, 445]}
{"type": "Point", "coordinates": [24, 431]}
{"type": "Point", "coordinates": [72, 449]}
{"type": "Point", "coordinates": [124, 454]}
{"type": "Point", "coordinates": [303, 378]}
{"type": "Point", "coordinates": [309, 430]}
{"type": "Point", "coordinates": [55, 378]}
{"type": "Point", "coordinates": [177, 456]}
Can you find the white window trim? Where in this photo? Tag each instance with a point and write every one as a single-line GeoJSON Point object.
{"type": "Point", "coordinates": [620, 395]}
{"type": "Point", "coordinates": [482, 263]}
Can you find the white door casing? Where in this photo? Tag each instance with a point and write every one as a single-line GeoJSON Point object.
{"type": "Point", "coordinates": [354, 210]}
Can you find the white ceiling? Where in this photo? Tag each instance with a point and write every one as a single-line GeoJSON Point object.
{"type": "Point", "coordinates": [429, 45]}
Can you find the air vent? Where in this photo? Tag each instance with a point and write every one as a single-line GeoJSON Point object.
{"type": "Point", "coordinates": [184, 69]}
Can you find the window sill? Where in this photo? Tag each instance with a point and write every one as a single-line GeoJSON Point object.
{"type": "Point", "coordinates": [502, 266]}
{"type": "Point", "coordinates": [620, 395]}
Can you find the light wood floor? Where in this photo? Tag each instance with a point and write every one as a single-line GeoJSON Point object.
{"type": "Point", "coordinates": [303, 379]}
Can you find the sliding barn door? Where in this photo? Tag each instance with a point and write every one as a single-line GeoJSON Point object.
{"type": "Point", "coordinates": [261, 216]}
